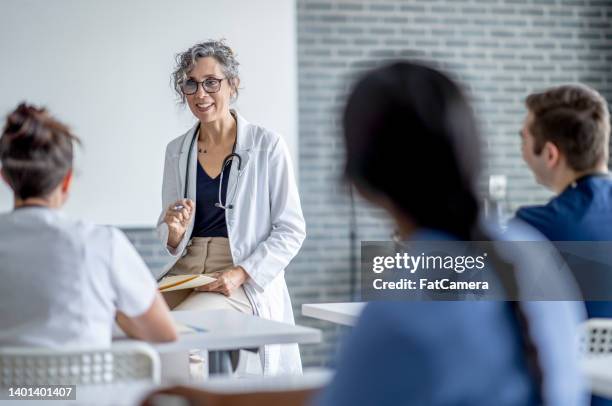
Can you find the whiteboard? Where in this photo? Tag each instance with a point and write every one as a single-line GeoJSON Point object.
{"type": "Point", "coordinates": [104, 69]}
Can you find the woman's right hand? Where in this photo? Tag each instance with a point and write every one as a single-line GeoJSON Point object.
{"type": "Point", "coordinates": [177, 218]}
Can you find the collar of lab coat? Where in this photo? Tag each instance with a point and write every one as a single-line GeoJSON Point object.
{"type": "Point", "coordinates": [244, 143]}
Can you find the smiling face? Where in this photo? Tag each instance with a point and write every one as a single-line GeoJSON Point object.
{"type": "Point", "coordinates": [209, 107]}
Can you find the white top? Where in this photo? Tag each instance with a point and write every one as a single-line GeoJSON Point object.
{"type": "Point", "coordinates": [62, 281]}
{"type": "Point", "coordinates": [339, 313]}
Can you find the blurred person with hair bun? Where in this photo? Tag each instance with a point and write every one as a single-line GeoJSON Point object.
{"type": "Point", "coordinates": [64, 282]}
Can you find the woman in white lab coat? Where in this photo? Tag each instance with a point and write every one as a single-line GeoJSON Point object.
{"type": "Point", "coordinates": [231, 204]}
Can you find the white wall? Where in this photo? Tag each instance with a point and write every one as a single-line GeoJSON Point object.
{"type": "Point", "coordinates": [104, 68]}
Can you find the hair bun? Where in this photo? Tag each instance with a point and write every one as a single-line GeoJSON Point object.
{"type": "Point", "coordinates": [36, 151]}
{"type": "Point", "coordinates": [24, 122]}
{"type": "Point", "coordinates": [33, 125]}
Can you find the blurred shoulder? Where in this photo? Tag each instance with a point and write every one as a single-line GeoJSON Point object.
{"type": "Point", "coordinates": [88, 233]}
{"type": "Point", "coordinates": [427, 318]}
{"type": "Point", "coordinates": [515, 230]}
{"type": "Point", "coordinates": [541, 217]}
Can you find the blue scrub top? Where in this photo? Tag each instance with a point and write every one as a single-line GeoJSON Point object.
{"type": "Point", "coordinates": [582, 212]}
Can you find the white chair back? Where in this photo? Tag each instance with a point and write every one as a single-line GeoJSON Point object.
{"type": "Point", "coordinates": [120, 363]}
{"type": "Point", "coordinates": [596, 337]}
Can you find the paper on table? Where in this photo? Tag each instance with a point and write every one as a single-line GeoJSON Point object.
{"type": "Point", "coordinates": [178, 282]}
{"type": "Point", "coordinates": [182, 328]}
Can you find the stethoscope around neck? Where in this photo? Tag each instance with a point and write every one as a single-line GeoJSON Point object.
{"type": "Point", "coordinates": [228, 160]}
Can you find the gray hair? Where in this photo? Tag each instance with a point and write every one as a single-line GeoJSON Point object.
{"type": "Point", "coordinates": [185, 62]}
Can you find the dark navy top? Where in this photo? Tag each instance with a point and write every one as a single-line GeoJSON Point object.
{"type": "Point", "coordinates": [209, 219]}
{"type": "Point", "coordinates": [582, 212]}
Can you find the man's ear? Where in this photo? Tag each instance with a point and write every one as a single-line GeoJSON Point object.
{"type": "Point", "coordinates": [67, 181]}
{"type": "Point", "coordinates": [552, 154]}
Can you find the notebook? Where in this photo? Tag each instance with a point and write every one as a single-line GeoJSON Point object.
{"type": "Point", "coordinates": [178, 282]}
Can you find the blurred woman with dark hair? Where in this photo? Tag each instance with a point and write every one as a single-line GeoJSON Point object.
{"type": "Point", "coordinates": [412, 148]}
{"type": "Point", "coordinates": [63, 281]}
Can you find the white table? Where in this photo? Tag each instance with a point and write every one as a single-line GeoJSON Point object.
{"type": "Point", "coordinates": [339, 313]}
{"type": "Point", "coordinates": [312, 378]}
{"type": "Point", "coordinates": [225, 330]}
{"type": "Point", "coordinates": [598, 370]}
{"type": "Point", "coordinates": [229, 330]}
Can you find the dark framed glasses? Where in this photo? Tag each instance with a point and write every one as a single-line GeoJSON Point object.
{"type": "Point", "coordinates": [210, 85]}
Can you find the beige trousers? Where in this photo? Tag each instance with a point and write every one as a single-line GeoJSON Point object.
{"type": "Point", "coordinates": [206, 255]}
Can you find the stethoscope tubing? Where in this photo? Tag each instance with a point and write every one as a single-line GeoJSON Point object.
{"type": "Point", "coordinates": [227, 160]}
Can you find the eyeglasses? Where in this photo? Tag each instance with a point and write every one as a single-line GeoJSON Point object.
{"type": "Point", "coordinates": [210, 85]}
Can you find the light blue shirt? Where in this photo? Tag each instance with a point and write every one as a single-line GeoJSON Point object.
{"type": "Point", "coordinates": [457, 353]}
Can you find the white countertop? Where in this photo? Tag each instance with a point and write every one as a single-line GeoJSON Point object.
{"type": "Point", "coordinates": [339, 313]}
{"type": "Point", "coordinates": [598, 370]}
{"type": "Point", "coordinates": [312, 378]}
{"type": "Point", "coordinates": [229, 329]}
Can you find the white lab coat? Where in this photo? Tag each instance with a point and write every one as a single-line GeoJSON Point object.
{"type": "Point", "coordinates": [266, 227]}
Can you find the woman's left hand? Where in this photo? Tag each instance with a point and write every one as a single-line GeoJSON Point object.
{"type": "Point", "coordinates": [227, 281]}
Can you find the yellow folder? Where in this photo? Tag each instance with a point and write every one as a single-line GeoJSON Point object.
{"type": "Point", "coordinates": [178, 282]}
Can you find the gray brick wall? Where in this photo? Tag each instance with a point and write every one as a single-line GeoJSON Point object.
{"type": "Point", "coordinates": [500, 51]}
